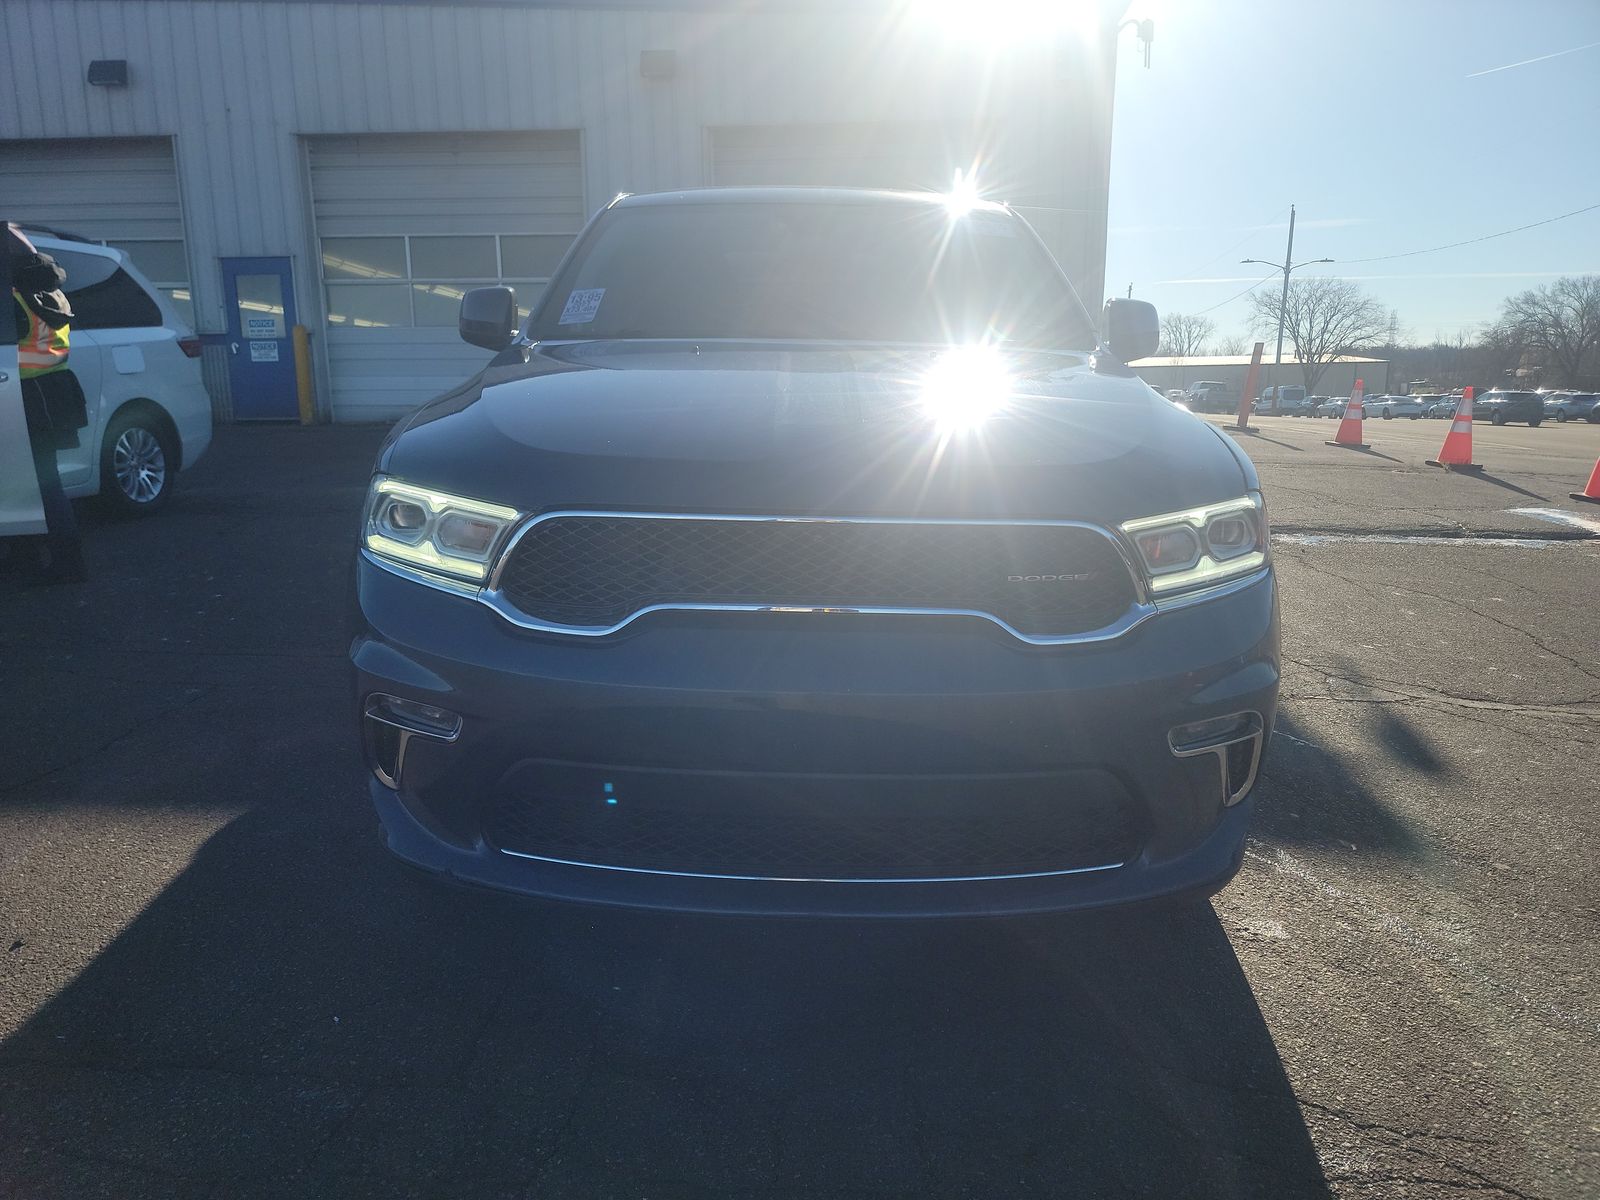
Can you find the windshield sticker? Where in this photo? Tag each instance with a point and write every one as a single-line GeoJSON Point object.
{"type": "Point", "coordinates": [581, 306]}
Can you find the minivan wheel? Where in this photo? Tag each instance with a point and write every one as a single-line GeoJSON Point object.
{"type": "Point", "coordinates": [1561, 416]}
{"type": "Point", "coordinates": [1387, 415]}
{"type": "Point", "coordinates": [137, 463]}
{"type": "Point", "coordinates": [1534, 424]}
{"type": "Point", "coordinates": [1498, 418]}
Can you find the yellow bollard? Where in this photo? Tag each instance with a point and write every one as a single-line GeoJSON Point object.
{"type": "Point", "coordinates": [302, 375]}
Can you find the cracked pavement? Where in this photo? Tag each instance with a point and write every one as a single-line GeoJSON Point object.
{"type": "Point", "coordinates": [213, 983]}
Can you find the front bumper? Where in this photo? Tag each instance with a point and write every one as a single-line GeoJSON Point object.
{"type": "Point", "coordinates": [771, 705]}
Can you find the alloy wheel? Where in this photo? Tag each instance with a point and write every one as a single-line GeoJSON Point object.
{"type": "Point", "coordinates": [139, 464]}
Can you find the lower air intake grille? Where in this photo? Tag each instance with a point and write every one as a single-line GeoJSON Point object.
{"type": "Point", "coordinates": [597, 571]}
{"type": "Point", "coordinates": [765, 827]}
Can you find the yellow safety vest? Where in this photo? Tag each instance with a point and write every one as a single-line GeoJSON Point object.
{"type": "Point", "coordinates": [43, 349]}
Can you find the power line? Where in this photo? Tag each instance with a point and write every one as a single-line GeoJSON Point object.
{"type": "Point", "coordinates": [1250, 232]}
{"type": "Point", "coordinates": [1236, 295]}
{"type": "Point", "coordinates": [1470, 241]}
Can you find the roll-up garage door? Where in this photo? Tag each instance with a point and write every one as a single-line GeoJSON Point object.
{"type": "Point", "coordinates": [913, 157]}
{"type": "Point", "coordinates": [408, 222]}
{"type": "Point", "coordinates": [122, 191]}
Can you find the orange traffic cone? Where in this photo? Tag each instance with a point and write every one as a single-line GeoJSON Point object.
{"type": "Point", "coordinates": [1457, 452]}
{"type": "Point", "coordinates": [1350, 428]}
{"type": "Point", "coordinates": [1591, 491]}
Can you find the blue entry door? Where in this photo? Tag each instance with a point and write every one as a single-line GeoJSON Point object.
{"type": "Point", "coordinates": [259, 294]}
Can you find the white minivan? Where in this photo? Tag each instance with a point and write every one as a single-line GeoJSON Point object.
{"type": "Point", "coordinates": [139, 365]}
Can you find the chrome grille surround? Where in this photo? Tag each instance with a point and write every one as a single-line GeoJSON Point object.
{"type": "Point", "coordinates": [498, 593]}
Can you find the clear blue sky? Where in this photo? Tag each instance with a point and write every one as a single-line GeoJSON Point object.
{"type": "Point", "coordinates": [1371, 119]}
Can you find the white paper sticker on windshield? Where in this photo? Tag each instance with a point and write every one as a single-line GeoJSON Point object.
{"type": "Point", "coordinates": [581, 306]}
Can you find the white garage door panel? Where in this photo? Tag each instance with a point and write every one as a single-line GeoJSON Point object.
{"type": "Point", "coordinates": [102, 188]}
{"type": "Point", "coordinates": [419, 185]}
{"type": "Point", "coordinates": [375, 366]}
{"type": "Point", "coordinates": [467, 183]}
{"type": "Point", "coordinates": [911, 156]}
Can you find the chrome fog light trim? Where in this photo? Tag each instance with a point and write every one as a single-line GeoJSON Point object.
{"type": "Point", "coordinates": [1235, 740]}
{"type": "Point", "coordinates": [390, 724]}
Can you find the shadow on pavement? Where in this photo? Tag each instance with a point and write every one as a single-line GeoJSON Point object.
{"type": "Point", "coordinates": [1308, 796]}
{"type": "Point", "coordinates": [1507, 484]}
{"type": "Point", "coordinates": [294, 1017]}
{"type": "Point", "coordinates": [291, 1016]}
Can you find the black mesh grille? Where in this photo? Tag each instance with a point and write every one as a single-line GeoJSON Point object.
{"type": "Point", "coordinates": [833, 832]}
{"type": "Point", "coordinates": [598, 571]}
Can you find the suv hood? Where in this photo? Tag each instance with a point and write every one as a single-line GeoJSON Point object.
{"type": "Point", "coordinates": [841, 430]}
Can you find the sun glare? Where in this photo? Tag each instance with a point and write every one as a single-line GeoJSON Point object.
{"type": "Point", "coordinates": [964, 387]}
{"type": "Point", "coordinates": [963, 195]}
{"type": "Point", "coordinates": [1008, 21]}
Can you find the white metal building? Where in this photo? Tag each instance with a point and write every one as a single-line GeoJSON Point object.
{"type": "Point", "coordinates": [391, 154]}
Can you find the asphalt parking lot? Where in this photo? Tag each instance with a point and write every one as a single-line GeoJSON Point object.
{"type": "Point", "coordinates": [213, 982]}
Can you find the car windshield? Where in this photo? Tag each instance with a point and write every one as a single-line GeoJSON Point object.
{"type": "Point", "coordinates": [875, 272]}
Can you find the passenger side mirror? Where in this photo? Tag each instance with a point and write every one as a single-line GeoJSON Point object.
{"type": "Point", "coordinates": [1132, 329]}
{"type": "Point", "coordinates": [489, 317]}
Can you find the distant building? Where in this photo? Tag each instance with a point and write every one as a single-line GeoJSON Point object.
{"type": "Point", "coordinates": [1338, 379]}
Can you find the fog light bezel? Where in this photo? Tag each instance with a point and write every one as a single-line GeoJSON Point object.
{"type": "Point", "coordinates": [1224, 733]}
{"type": "Point", "coordinates": [410, 718]}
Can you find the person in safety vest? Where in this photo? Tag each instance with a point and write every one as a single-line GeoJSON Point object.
{"type": "Point", "coordinates": [52, 400]}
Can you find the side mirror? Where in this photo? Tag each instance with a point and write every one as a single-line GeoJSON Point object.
{"type": "Point", "coordinates": [489, 317]}
{"type": "Point", "coordinates": [1132, 329]}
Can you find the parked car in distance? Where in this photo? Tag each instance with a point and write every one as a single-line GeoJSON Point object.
{"type": "Point", "coordinates": [139, 365]}
{"type": "Point", "coordinates": [1313, 406]}
{"type": "Point", "coordinates": [1283, 400]}
{"type": "Point", "coordinates": [1389, 407]}
{"type": "Point", "coordinates": [1573, 406]}
{"type": "Point", "coordinates": [1210, 396]}
{"type": "Point", "coordinates": [1500, 405]}
{"type": "Point", "coordinates": [752, 576]}
{"type": "Point", "coordinates": [1432, 401]}
{"type": "Point", "coordinates": [1333, 406]}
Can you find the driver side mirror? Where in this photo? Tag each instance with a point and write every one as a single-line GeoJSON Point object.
{"type": "Point", "coordinates": [1132, 330]}
{"type": "Point", "coordinates": [489, 317]}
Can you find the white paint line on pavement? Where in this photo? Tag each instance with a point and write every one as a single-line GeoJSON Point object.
{"type": "Point", "coordinates": [1559, 516]}
{"type": "Point", "coordinates": [1402, 539]}
{"type": "Point", "coordinates": [1284, 863]}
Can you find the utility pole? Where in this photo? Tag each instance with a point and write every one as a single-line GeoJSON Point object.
{"type": "Point", "coordinates": [1130, 291]}
{"type": "Point", "coordinates": [1288, 264]}
{"type": "Point", "coordinates": [1283, 302]}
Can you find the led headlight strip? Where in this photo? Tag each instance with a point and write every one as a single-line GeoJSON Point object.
{"type": "Point", "coordinates": [453, 536]}
{"type": "Point", "coordinates": [1201, 547]}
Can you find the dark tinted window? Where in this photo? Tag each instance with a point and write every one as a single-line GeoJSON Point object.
{"type": "Point", "coordinates": [814, 271]}
{"type": "Point", "coordinates": [103, 295]}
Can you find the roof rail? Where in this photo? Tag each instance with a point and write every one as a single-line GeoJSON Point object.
{"type": "Point", "coordinates": [60, 234]}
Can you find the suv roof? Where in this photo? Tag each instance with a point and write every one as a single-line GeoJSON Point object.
{"type": "Point", "coordinates": [792, 195]}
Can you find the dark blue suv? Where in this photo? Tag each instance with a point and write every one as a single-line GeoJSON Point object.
{"type": "Point", "coordinates": [806, 551]}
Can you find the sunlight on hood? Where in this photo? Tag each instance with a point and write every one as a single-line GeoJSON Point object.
{"type": "Point", "coordinates": [964, 387]}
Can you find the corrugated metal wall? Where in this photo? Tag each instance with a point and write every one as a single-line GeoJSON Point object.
{"type": "Point", "coordinates": [240, 85]}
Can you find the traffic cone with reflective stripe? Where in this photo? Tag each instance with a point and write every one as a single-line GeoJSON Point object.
{"type": "Point", "coordinates": [1350, 428]}
{"type": "Point", "coordinates": [1457, 452]}
{"type": "Point", "coordinates": [1591, 491]}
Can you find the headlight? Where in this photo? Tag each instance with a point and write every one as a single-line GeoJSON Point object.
{"type": "Point", "coordinates": [433, 531]}
{"type": "Point", "coordinates": [1186, 551]}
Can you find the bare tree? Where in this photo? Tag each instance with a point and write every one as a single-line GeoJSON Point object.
{"type": "Point", "coordinates": [1183, 336]}
{"type": "Point", "coordinates": [1562, 319]}
{"type": "Point", "coordinates": [1234, 343]}
{"type": "Point", "coordinates": [1324, 318]}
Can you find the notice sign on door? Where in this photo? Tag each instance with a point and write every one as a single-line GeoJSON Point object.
{"type": "Point", "coordinates": [263, 351]}
{"type": "Point", "coordinates": [263, 327]}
